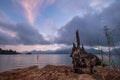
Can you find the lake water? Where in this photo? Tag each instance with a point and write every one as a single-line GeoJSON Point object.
{"type": "Point", "coordinates": [9, 62]}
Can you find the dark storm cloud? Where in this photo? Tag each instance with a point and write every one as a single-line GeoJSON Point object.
{"type": "Point", "coordinates": [24, 34]}
{"type": "Point", "coordinates": [112, 19]}
{"type": "Point", "coordinates": [5, 39]}
{"type": "Point", "coordinates": [91, 27]}
{"type": "Point", "coordinates": [111, 14]}
{"type": "Point", "coordinates": [28, 35]}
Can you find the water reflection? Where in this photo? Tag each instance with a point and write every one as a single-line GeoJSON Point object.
{"type": "Point", "coordinates": [114, 58]}
{"type": "Point", "coordinates": [8, 62]}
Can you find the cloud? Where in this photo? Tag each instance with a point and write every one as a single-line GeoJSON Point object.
{"type": "Point", "coordinates": [28, 35]}
{"type": "Point", "coordinates": [111, 17]}
{"type": "Point", "coordinates": [32, 8]}
{"type": "Point", "coordinates": [6, 39]}
{"type": "Point", "coordinates": [20, 33]}
{"type": "Point", "coordinates": [38, 47]}
{"type": "Point", "coordinates": [91, 27]}
{"type": "Point", "coordinates": [89, 30]}
{"type": "Point", "coordinates": [99, 5]}
{"type": "Point", "coordinates": [82, 7]}
{"type": "Point", "coordinates": [111, 14]}
{"type": "Point", "coordinates": [3, 17]}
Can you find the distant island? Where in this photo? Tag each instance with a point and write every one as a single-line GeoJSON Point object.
{"type": "Point", "coordinates": [58, 51]}
{"type": "Point", "coordinates": [8, 52]}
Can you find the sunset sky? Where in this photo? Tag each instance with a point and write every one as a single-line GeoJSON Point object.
{"type": "Point", "coordinates": [27, 25]}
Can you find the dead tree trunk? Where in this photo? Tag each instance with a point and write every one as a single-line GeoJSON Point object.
{"type": "Point", "coordinates": [80, 57]}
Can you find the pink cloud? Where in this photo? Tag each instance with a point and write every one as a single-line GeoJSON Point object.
{"type": "Point", "coordinates": [10, 33]}
{"type": "Point", "coordinates": [21, 48]}
{"type": "Point", "coordinates": [33, 7]}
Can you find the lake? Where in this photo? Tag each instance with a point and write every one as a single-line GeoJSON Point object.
{"type": "Point", "coordinates": [9, 62]}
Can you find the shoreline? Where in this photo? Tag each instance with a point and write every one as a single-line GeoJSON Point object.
{"type": "Point", "coordinates": [51, 72]}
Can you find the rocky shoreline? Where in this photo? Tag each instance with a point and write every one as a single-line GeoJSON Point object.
{"type": "Point", "coordinates": [51, 72]}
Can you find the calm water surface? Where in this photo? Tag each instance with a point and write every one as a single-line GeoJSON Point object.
{"type": "Point", "coordinates": [8, 62]}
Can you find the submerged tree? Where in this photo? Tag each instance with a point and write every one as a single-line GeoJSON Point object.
{"type": "Point", "coordinates": [111, 44]}
{"type": "Point", "coordinates": [107, 34]}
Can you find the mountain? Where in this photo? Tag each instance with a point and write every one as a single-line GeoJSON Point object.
{"type": "Point", "coordinates": [94, 51]}
{"type": "Point", "coordinates": [115, 51]}
{"type": "Point", "coordinates": [58, 51]}
{"type": "Point", "coordinates": [62, 51]}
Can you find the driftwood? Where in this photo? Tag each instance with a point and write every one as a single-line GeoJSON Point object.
{"type": "Point", "coordinates": [82, 59]}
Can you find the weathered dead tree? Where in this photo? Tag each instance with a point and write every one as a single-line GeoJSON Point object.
{"type": "Point", "coordinates": [82, 59]}
{"type": "Point", "coordinates": [107, 33]}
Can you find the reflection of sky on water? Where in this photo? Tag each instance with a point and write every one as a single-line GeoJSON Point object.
{"type": "Point", "coordinates": [8, 62]}
{"type": "Point", "coordinates": [54, 59]}
{"type": "Point", "coordinates": [115, 59]}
